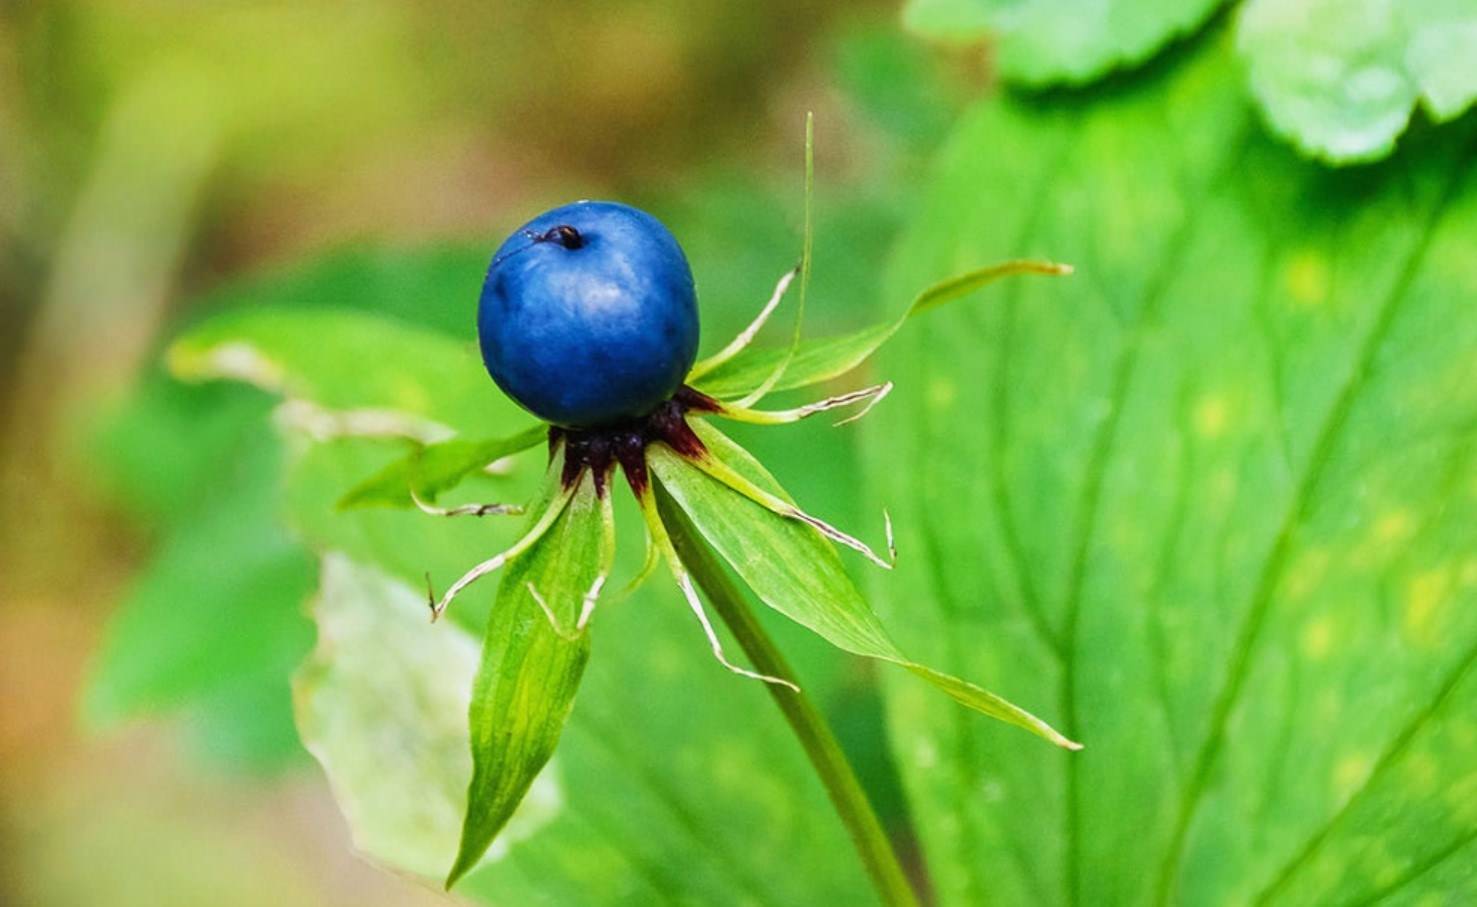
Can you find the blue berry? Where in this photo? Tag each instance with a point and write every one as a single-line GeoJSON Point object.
{"type": "Point", "coordinates": [588, 316]}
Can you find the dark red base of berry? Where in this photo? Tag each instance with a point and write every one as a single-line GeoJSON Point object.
{"type": "Point", "coordinates": [598, 449]}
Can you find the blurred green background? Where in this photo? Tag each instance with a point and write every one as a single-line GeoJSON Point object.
{"type": "Point", "coordinates": [151, 151]}
{"type": "Point", "coordinates": [1206, 505]}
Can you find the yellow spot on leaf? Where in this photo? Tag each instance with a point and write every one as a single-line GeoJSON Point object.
{"type": "Point", "coordinates": [1212, 414]}
{"type": "Point", "coordinates": [1306, 573]}
{"type": "Point", "coordinates": [941, 393]}
{"type": "Point", "coordinates": [1222, 488]}
{"type": "Point", "coordinates": [1469, 572]}
{"type": "Point", "coordinates": [1306, 278]}
{"type": "Point", "coordinates": [1425, 595]}
{"type": "Point", "coordinates": [1381, 866]}
{"type": "Point", "coordinates": [1395, 526]}
{"type": "Point", "coordinates": [1462, 796]}
{"type": "Point", "coordinates": [1317, 639]}
{"type": "Point", "coordinates": [1422, 772]}
{"type": "Point", "coordinates": [1384, 540]}
{"type": "Point", "coordinates": [1349, 772]}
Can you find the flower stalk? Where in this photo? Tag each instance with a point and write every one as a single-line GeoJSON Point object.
{"type": "Point", "coordinates": [810, 727]}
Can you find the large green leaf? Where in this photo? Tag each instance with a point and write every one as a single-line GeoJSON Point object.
{"type": "Point", "coordinates": [1044, 42]}
{"type": "Point", "coordinates": [796, 571]}
{"type": "Point", "coordinates": [382, 704]}
{"type": "Point", "coordinates": [1340, 78]}
{"type": "Point", "coordinates": [1215, 492]}
{"type": "Point", "coordinates": [425, 388]}
{"type": "Point", "coordinates": [385, 376]}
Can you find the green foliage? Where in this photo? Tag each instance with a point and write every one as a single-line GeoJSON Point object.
{"type": "Point", "coordinates": [897, 83]}
{"type": "Point", "coordinates": [214, 623]}
{"type": "Point", "coordinates": [1047, 42]}
{"type": "Point", "coordinates": [1338, 78]}
{"type": "Point", "coordinates": [1206, 505]}
{"type": "Point", "coordinates": [720, 815]}
{"type": "Point", "coordinates": [373, 375]}
{"type": "Point", "coordinates": [732, 809]}
{"type": "Point", "coordinates": [1213, 495]}
{"type": "Point", "coordinates": [431, 469]}
{"type": "Point", "coordinates": [794, 570]}
{"type": "Point", "coordinates": [381, 673]}
{"type": "Point", "coordinates": [532, 663]}
{"type": "Point", "coordinates": [820, 359]}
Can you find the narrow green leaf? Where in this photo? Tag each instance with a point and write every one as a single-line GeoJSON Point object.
{"type": "Point", "coordinates": [530, 669]}
{"type": "Point", "coordinates": [824, 358]}
{"type": "Point", "coordinates": [1048, 42]}
{"type": "Point", "coordinates": [422, 384]}
{"type": "Point", "coordinates": [1340, 78]}
{"type": "Point", "coordinates": [794, 570]}
{"type": "Point", "coordinates": [431, 469]}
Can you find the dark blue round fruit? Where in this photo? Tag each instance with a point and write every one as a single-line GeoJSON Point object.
{"type": "Point", "coordinates": [588, 316]}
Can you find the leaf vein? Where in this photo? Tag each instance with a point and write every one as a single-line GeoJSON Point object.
{"type": "Point", "coordinates": [1103, 446]}
{"type": "Point", "coordinates": [1299, 505]}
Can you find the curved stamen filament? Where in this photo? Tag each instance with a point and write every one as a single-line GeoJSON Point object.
{"type": "Point", "coordinates": [872, 395]}
{"type": "Point", "coordinates": [556, 507]}
{"type": "Point", "coordinates": [607, 562]}
{"type": "Point", "coordinates": [747, 335]}
{"type": "Point", "coordinates": [588, 600]}
{"type": "Point", "coordinates": [663, 542]}
{"type": "Point", "coordinates": [587, 608]}
{"type": "Point", "coordinates": [466, 509]}
{"type": "Point", "coordinates": [550, 616]}
{"type": "Point", "coordinates": [649, 563]}
{"type": "Point", "coordinates": [806, 245]}
{"type": "Point", "coordinates": [685, 583]}
{"type": "Point", "coordinates": [728, 476]}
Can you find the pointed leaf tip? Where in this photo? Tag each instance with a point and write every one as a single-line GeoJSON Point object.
{"type": "Point", "coordinates": [530, 672]}
{"type": "Point", "coordinates": [745, 373]}
{"type": "Point", "coordinates": [792, 568]}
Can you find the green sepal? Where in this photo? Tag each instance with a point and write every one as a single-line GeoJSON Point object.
{"type": "Point", "coordinates": [796, 571]}
{"type": "Point", "coordinates": [430, 469]}
{"type": "Point", "coordinates": [822, 359]}
{"type": "Point", "coordinates": [530, 668]}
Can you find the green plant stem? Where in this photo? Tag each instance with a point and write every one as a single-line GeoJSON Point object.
{"type": "Point", "coordinates": [826, 755]}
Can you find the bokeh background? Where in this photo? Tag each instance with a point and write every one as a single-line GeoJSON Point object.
{"type": "Point", "coordinates": [153, 151]}
{"type": "Point", "coordinates": [1208, 504]}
